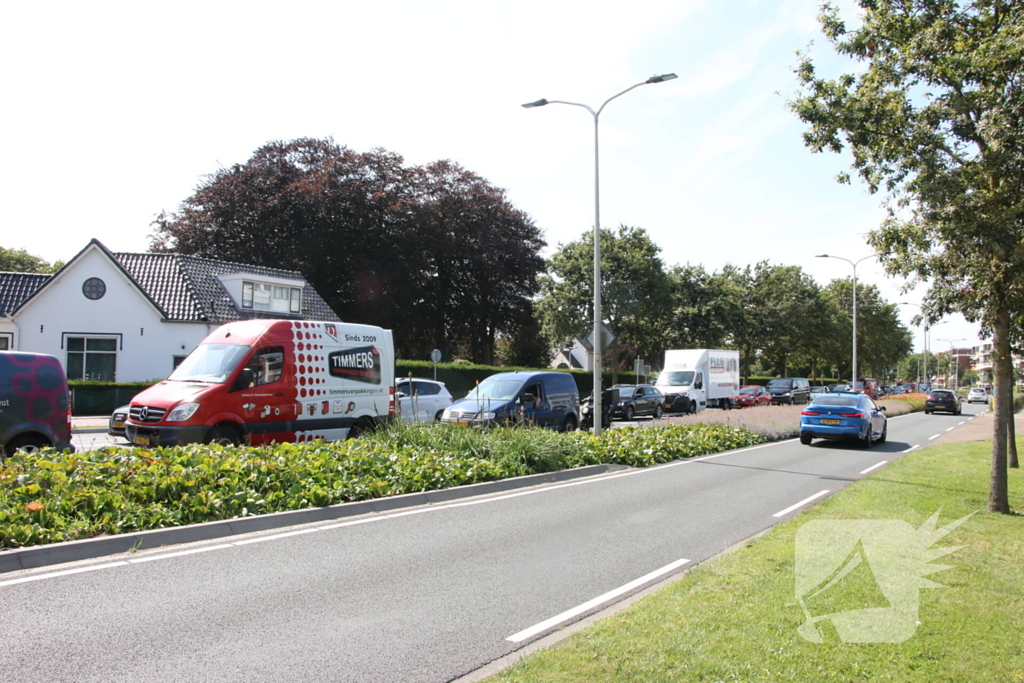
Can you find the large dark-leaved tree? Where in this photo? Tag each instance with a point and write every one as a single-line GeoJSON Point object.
{"type": "Point", "coordinates": [435, 253]}
{"type": "Point", "coordinates": [933, 115]}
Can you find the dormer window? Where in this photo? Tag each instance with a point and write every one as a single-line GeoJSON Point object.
{"type": "Point", "coordinates": [263, 296]}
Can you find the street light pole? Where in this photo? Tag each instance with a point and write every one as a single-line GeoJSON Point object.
{"type": "Point", "coordinates": [954, 361]}
{"type": "Point", "coordinates": [854, 264]}
{"type": "Point", "coordinates": [598, 345]}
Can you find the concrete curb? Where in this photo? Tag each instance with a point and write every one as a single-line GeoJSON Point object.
{"type": "Point", "coordinates": [73, 551]}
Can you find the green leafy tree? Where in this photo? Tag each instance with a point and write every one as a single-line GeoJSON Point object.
{"type": "Point", "coordinates": [20, 261]}
{"type": "Point", "coordinates": [635, 292]}
{"type": "Point", "coordinates": [707, 310]}
{"type": "Point", "coordinates": [435, 253]}
{"type": "Point", "coordinates": [934, 116]}
{"type": "Point", "coordinates": [882, 340]}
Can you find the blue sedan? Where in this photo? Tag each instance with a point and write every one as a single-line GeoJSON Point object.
{"type": "Point", "coordinates": [843, 416]}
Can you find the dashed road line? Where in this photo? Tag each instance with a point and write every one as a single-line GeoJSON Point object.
{"type": "Point", "coordinates": [873, 467]}
{"type": "Point", "coordinates": [803, 502]}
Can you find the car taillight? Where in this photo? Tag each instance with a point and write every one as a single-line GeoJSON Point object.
{"type": "Point", "coordinates": [851, 414]}
{"type": "Point", "coordinates": [391, 401]}
{"type": "Point", "coordinates": [807, 412]}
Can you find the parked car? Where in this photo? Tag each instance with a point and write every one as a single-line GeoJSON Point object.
{"type": "Point", "coordinates": [791, 390]}
{"type": "Point", "coordinates": [544, 399]}
{"type": "Point", "coordinates": [115, 427]}
{"type": "Point", "coordinates": [977, 395]}
{"type": "Point", "coordinates": [754, 395]}
{"type": "Point", "coordinates": [422, 400]}
{"type": "Point", "coordinates": [844, 416]}
{"type": "Point", "coordinates": [629, 401]}
{"type": "Point", "coordinates": [944, 400]}
{"type": "Point", "coordinates": [842, 386]}
{"type": "Point", "coordinates": [818, 390]}
{"type": "Point", "coordinates": [35, 407]}
{"type": "Point", "coordinates": [908, 387]}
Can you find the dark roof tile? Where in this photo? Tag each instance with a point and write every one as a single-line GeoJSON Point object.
{"type": "Point", "coordinates": [16, 287]}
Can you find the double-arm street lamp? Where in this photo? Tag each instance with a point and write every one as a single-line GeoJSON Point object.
{"type": "Point", "coordinates": [598, 344]}
{"type": "Point", "coordinates": [853, 379]}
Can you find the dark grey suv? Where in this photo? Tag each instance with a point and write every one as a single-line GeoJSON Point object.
{"type": "Point", "coordinates": [789, 390]}
{"type": "Point", "coordinates": [633, 400]}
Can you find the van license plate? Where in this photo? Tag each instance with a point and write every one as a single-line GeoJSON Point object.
{"type": "Point", "coordinates": [119, 424]}
{"type": "Point", "coordinates": [140, 441]}
{"type": "Point", "coordinates": [461, 424]}
{"type": "Point", "coordinates": [830, 422]}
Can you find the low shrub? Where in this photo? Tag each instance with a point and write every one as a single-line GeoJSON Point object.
{"type": "Point", "coordinates": [50, 496]}
{"type": "Point", "coordinates": [915, 401]}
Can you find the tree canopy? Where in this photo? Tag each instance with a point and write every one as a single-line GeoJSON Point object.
{"type": "Point", "coordinates": [436, 253]}
{"type": "Point", "coordinates": [933, 115]}
{"type": "Point", "coordinates": [20, 261]}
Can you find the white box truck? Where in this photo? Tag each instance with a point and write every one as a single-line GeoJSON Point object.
{"type": "Point", "coordinates": [695, 379]}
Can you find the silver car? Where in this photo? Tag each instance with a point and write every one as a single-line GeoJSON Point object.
{"type": "Point", "coordinates": [422, 400]}
{"type": "Point", "coordinates": [977, 396]}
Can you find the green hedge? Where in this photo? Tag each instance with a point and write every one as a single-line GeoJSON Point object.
{"type": "Point", "coordinates": [50, 497]}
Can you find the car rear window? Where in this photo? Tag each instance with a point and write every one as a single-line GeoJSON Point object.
{"type": "Point", "coordinates": [836, 401]}
{"type": "Point", "coordinates": [942, 394]}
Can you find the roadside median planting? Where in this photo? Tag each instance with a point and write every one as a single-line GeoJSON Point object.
{"type": "Point", "coordinates": [48, 497]}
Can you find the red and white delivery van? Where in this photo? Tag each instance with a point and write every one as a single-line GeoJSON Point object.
{"type": "Point", "coordinates": [266, 381]}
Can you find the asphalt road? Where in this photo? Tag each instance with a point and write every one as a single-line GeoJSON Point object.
{"type": "Point", "coordinates": [425, 594]}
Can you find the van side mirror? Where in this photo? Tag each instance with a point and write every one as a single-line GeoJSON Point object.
{"type": "Point", "coordinates": [245, 379]}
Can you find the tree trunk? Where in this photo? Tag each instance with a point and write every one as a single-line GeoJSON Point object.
{"type": "Point", "coordinates": [998, 492]}
{"type": "Point", "coordinates": [1011, 441]}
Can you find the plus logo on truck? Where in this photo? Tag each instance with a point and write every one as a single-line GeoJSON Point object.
{"type": "Point", "coordinates": [360, 364]}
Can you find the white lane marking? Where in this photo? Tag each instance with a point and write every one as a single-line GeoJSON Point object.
{"type": "Point", "coordinates": [590, 604]}
{"type": "Point", "coordinates": [874, 467]}
{"type": "Point", "coordinates": [803, 502]}
{"type": "Point", "coordinates": [51, 575]}
{"type": "Point", "coordinates": [934, 436]}
{"type": "Point", "coordinates": [912, 448]}
{"type": "Point", "coordinates": [272, 537]}
{"type": "Point", "coordinates": [960, 422]}
{"type": "Point", "coordinates": [429, 508]}
{"type": "Point", "coordinates": [949, 429]}
{"type": "Point", "coordinates": [165, 556]}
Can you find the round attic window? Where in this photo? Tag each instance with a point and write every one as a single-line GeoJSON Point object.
{"type": "Point", "coordinates": [94, 288]}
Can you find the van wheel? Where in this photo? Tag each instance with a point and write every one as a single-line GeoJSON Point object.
{"type": "Point", "coordinates": [223, 435]}
{"type": "Point", "coordinates": [570, 424]}
{"type": "Point", "coordinates": [359, 428]}
{"type": "Point", "coordinates": [27, 443]}
{"type": "Point", "coordinates": [629, 413]}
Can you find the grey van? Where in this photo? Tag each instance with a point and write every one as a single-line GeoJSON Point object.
{"type": "Point", "coordinates": [791, 390]}
{"type": "Point", "coordinates": [34, 403]}
{"type": "Point", "coordinates": [544, 399]}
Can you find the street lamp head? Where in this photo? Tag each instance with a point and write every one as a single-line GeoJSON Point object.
{"type": "Point", "coordinates": [661, 78]}
{"type": "Point", "coordinates": [538, 103]}
{"type": "Point", "coordinates": [822, 256]}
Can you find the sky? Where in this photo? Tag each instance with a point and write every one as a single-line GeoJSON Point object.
{"type": "Point", "coordinates": [116, 111]}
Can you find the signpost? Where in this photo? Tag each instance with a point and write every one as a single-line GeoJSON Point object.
{"type": "Point", "coordinates": [435, 356]}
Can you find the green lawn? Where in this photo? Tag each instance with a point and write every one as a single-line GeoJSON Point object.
{"type": "Point", "coordinates": [734, 618]}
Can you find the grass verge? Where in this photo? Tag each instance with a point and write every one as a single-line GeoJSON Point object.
{"type": "Point", "coordinates": [734, 618]}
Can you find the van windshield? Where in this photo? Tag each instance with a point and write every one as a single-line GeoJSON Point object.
{"type": "Point", "coordinates": [211, 363]}
{"type": "Point", "coordinates": [677, 378]}
{"type": "Point", "coordinates": [496, 389]}
{"type": "Point", "coordinates": [780, 384]}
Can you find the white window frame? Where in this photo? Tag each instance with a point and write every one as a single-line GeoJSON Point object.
{"type": "Point", "coordinates": [266, 296]}
{"type": "Point", "coordinates": [86, 351]}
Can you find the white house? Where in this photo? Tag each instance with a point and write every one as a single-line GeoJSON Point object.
{"type": "Point", "coordinates": [133, 317]}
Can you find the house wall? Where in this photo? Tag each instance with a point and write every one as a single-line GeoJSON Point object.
{"type": "Point", "coordinates": [146, 346]}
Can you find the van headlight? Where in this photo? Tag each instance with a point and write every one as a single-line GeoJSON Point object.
{"type": "Point", "coordinates": [446, 415]}
{"type": "Point", "coordinates": [182, 412]}
{"type": "Point", "coordinates": [485, 416]}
